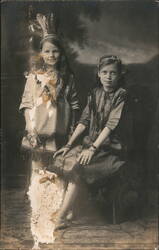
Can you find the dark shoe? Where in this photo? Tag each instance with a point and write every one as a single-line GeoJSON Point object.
{"type": "Point", "coordinates": [62, 224]}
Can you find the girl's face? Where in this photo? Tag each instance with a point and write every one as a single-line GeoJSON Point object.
{"type": "Point", "coordinates": [109, 76]}
{"type": "Point", "coordinates": [50, 53]}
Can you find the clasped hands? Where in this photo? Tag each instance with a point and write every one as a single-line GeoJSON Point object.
{"type": "Point", "coordinates": [33, 139]}
{"type": "Point", "coordinates": [84, 157]}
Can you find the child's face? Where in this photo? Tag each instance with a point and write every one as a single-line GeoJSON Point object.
{"type": "Point", "coordinates": [50, 53]}
{"type": "Point", "coordinates": [109, 76]}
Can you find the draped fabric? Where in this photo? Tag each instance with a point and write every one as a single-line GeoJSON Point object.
{"type": "Point", "coordinates": [45, 199]}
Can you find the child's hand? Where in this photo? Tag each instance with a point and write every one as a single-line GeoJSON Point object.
{"type": "Point", "coordinates": [85, 156]}
{"type": "Point", "coordinates": [47, 176]}
{"type": "Point", "coordinates": [33, 140]}
{"type": "Point", "coordinates": [64, 150]}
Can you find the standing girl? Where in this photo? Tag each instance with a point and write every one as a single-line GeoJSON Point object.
{"type": "Point", "coordinates": [50, 106]}
{"type": "Point", "coordinates": [99, 155]}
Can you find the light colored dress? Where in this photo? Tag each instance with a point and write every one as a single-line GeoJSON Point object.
{"type": "Point", "coordinates": [49, 100]}
{"type": "Point", "coordinates": [51, 103]}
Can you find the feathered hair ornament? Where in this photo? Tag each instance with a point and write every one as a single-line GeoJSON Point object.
{"type": "Point", "coordinates": [42, 27]}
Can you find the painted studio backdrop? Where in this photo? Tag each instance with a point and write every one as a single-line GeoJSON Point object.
{"type": "Point", "coordinates": [89, 29]}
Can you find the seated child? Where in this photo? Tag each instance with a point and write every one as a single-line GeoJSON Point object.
{"type": "Point", "coordinates": [98, 156]}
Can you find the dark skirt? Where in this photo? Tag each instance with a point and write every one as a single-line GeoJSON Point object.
{"type": "Point", "coordinates": [104, 163]}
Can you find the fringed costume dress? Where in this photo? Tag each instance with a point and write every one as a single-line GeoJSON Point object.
{"type": "Point", "coordinates": [51, 101]}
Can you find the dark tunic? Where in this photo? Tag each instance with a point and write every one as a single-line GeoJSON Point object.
{"type": "Point", "coordinates": [103, 109]}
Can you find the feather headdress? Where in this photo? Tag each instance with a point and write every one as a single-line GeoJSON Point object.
{"type": "Point", "coordinates": [43, 27]}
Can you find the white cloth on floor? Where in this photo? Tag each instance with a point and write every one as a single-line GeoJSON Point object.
{"type": "Point", "coordinates": [46, 199]}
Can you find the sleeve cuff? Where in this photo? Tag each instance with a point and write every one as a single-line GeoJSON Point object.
{"type": "Point", "coordinates": [85, 123]}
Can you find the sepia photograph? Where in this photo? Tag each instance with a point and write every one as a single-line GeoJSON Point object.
{"type": "Point", "coordinates": [79, 124]}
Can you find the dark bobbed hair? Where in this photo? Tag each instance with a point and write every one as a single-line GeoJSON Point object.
{"type": "Point", "coordinates": [110, 59]}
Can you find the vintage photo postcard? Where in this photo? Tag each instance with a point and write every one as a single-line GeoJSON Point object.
{"type": "Point", "coordinates": [80, 119]}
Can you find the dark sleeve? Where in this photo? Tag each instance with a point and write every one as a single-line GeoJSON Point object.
{"type": "Point", "coordinates": [86, 114]}
{"type": "Point", "coordinates": [115, 114]}
{"type": "Point", "coordinates": [73, 97]}
{"type": "Point", "coordinates": [27, 97]}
